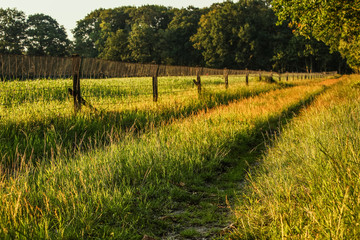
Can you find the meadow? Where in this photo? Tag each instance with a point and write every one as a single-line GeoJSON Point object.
{"type": "Point", "coordinates": [38, 122]}
{"type": "Point", "coordinates": [140, 168]}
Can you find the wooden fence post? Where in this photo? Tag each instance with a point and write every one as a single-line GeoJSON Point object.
{"type": "Point", "coordinates": [247, 77]}
{"type": "Point", "coordinates": [198, 81]}
{"type": "Point", "coordinates": [76, 67]}
{"type": "Point", "coordinates": [279, 77]}
{"type": "Point", "coordinates": [2, 67]}
{"type": "Point", "coordinates": [226, 76]}
{"type": "Point", "coordinates": [16, 67]}
{"type": "Point", "coordinates": [155, 84]}
{"type": "Point", "coordinates": [8, 68]}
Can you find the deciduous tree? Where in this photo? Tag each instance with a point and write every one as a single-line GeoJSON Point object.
{"type": "Point", "coordinates": [87, 34]}
{"type": "Point", "coordinates": [178, 48]}
{"type": "Point", "coordinates": [334, 22]}
{"type": "Point", "coordinates": [46, 37]}
{"type": "Point", "coordinates": [12, 31]}
{"type": "Point", "coordinates": [143, 43]}
{"type": "Point", "coordinates": [116, 47]}
{"type": "Point", "coordinates": [236, 35]}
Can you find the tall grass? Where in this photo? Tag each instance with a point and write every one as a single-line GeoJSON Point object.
{"type": "Point", "coordinates": [44, 90]}
{"type": "Point", "coordinates": [37, 123]}
{"type": "Point", "coordinates": [307, 185]}
{"type": "Point", "coordinates": [119, 192]}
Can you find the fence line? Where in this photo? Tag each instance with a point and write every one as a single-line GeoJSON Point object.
{"type": "Point", "coordinates": [30, 67]}
{"type": "Point", "coordinates": [33, 67]}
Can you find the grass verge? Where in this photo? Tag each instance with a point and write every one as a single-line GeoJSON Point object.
{"type": "Point", "coordinates": [307, 185]}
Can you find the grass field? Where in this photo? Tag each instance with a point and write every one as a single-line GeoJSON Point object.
{"type": "Point", "coordinates": [37, 119]}
{"type": "Point", "coordinates": [167, 170]}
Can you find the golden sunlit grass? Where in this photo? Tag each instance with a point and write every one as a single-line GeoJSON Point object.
{"type": "Point", "coordinates": [38, 122]}
{"type": "Point", "coordinates": [307, 185]}
{"type": "Point", "coordinates": [23, 100]}
{"type": "Point", "coordinates": [119, 190]}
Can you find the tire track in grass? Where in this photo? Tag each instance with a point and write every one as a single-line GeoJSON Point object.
{"type": "Point", "coordinates": [210, 217]}
{"type": "Point", "coordinates": [168, 182]}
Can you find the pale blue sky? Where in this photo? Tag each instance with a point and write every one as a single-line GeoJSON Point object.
{"type": "Point", "coordinates": [67, 12]}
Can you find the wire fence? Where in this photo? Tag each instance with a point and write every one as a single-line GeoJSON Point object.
{"type": "Point", "coordinates": [93, 80]}
{"type": "Point", "coordinates": [37, 67]}
{"type": "Point", "coordinates": [33, 67]}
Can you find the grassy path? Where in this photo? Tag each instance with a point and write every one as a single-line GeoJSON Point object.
{"type": "Point", "coordinates": [210, 215]}
{"type": "Point", "coordinates": [170, 181]}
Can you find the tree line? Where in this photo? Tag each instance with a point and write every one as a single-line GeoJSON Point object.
{"type": "Point", "coordinates": [239, 35]}
{"type": "Point", "coordinates": [37, 34]}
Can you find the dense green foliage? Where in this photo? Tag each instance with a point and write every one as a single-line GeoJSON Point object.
{"type": "Point", "coordinates": [179, 50]}
{"type": "Point", "coordinates": [237, 35]}
{"type": "Point", "coordinates": [45, 36]}
{"type": "Point", "coordinates": [38, 34]}
{"type": "Point", "coordinates": [233, 35]}
{"type": "Point", "coordinates": [12, 31]}
{"type": "Point", "coordinates": [334, 22]}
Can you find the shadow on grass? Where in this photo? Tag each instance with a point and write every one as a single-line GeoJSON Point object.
{"type": "Point", "coordinates": [203, 205]}
{"type": "Point", "coordinates": [41, 140]}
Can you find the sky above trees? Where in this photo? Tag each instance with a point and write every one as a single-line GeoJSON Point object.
{"type": "Point", "coordinates": [68, 12]}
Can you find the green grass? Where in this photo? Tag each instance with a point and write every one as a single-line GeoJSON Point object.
{"type": "Point", "coordinates": [307, 184]}
{"type": "Point", "coordinates": [191, 232]}
{"type": "Point", "coordinates": [39, 123]}
{"type": "Point", "coordinates": [127, 189]}
{"type": "Point", "coordinates": [44, 90]}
